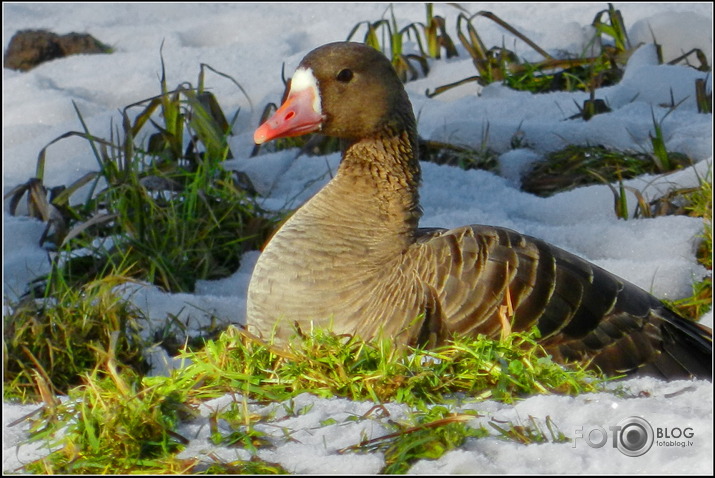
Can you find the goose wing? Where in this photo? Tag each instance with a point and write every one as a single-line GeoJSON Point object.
{"type": "Point", "coordinates": [584, 313]}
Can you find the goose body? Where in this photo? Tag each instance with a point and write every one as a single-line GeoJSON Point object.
{"type": "Point", "coordinates": [353, 258]}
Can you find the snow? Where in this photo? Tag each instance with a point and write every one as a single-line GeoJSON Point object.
{"type": "Point", "coordinates": [250, 42]}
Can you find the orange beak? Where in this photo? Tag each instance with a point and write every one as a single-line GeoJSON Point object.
{"type": "Point", "coordinates": [295, 117]}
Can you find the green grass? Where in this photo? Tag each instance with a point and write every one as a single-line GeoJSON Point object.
{"type": "Point", "coordinates": [530, 432]}
{"type": "Point", "coordinates": [48, 344]}
{"type": "Point", "coordinates": [164, 212]}
{"type": "Point", "coordinates": [585, 73]}
{"type": "Point", "coordinates": [429, 435]}
{"type": "Point", "coordinates": [388, 37]}
{"type": "Point", "coordinates": [118, 421]}
{"type": "Point", "coordinates": [326, 365]}
{"type": "Point", "coordinates": [698, 203]}
{"type": "Point", "coordinates": [482, 157]}
{"type": "Point", "coordinates": [576, 165]}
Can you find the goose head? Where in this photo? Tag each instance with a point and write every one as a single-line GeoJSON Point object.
{"type": "Point", "coordinates": [346, 90]}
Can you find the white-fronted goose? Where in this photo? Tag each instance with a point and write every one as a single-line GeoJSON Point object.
{"type": "Point", "coordinates": [353, 258]}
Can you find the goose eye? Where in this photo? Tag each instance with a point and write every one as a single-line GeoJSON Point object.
{"type": "Point", "coordinates": [345, 75]}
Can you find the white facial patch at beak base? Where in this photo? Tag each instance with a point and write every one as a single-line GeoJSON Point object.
{"type": "Point", "coordinates": [303, 78]}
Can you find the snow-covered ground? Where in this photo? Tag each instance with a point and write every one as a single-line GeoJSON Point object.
{"type": "Point", "coordinates": [250, 42]}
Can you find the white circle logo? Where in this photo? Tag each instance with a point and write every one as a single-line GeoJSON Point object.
{"type": "Point", "coordinates": [635, 436]}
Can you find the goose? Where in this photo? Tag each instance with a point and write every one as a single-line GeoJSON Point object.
{"type": "Point", "coordinates": [354, 260]}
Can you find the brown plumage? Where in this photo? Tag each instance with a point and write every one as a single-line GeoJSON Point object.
{"type": "Point", "coordinates": [353, 258]}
